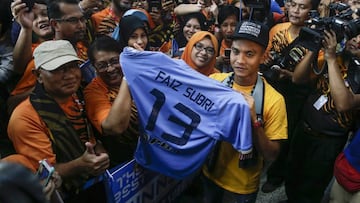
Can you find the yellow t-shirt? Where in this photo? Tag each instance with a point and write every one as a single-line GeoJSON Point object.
{"type": "Point", "coordinates": [226, 172]}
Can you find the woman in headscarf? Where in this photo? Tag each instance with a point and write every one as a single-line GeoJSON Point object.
{"type": "Point", "coordinates": [201, 51]}
{"type": "Point", "coordinates": [133, 33]}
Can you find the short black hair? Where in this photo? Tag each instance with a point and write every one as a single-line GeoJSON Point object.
{"type": "Point", "coordinates": [103, 43]}
{"type": "Point", "coordinates": [226, 11]}
{"type": "Point", "coordinates": [53, 8]}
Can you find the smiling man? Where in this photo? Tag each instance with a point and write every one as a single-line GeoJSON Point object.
{"type": "Point", "coordinates": [51, 123]}
{"type": "Point", "coordinates": [247, 52]}
{"type": "Point", "coordinates": [62, 16]}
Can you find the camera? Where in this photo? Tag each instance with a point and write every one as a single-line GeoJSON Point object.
{"type": "Point", "coordinates": [354, 75]}
{"type": "Point", "coordinates": [341, 23]}
{"type": "Point", "coordinates": [287, 59]}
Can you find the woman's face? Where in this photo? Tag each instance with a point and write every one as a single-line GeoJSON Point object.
{"type": "Point", "coordinates": [191, 27]}
{"type": "Point", "coordinates": [143, 4]}
{"type": "Point", "coordinates": [139, 37]}
{"type": "Point", "coordinates": [108, 67]}
{"type": "Point", "coordinates": [202, 53]}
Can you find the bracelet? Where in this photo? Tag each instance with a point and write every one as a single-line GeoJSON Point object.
{"type": "Point", "coordinates": [257, 124]}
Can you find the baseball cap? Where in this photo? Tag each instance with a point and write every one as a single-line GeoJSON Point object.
{"type": "Point", "coordinates": [252, 31]}
{"type": "Point", "coordinates": [52, 54]}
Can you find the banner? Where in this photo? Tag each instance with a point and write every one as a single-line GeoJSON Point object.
{"type": "Point", "coordinates": [131, 183]}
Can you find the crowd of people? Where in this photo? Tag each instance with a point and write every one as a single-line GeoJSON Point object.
{"type": "Point", "coordinates": [64, 96]}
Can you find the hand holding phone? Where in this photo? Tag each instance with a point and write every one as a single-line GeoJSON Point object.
{"type": "Point", "coordinates": [29, 3]}
{"type": "Point", "coordinates": [45, 172]}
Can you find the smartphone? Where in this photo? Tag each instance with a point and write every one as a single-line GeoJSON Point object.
{"type": "Point", "coordinates": [155, 5]}
{"type": "Point", "coordinates": [29, 3]}
{"type": "Point", "coordinates": [45, 171]}
{"type": "Point", "coordinates": [227, 52]}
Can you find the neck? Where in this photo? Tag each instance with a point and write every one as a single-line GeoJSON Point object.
{"type": "Point", "coordinates": [294, 30]}
{"type": "Point", "coordinates": [62, 99]}
{"type": "Point", "coordinates": [245, 81]}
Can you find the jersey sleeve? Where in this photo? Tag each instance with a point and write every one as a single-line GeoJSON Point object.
{"type": "Point", "coordinates": [234, 120]}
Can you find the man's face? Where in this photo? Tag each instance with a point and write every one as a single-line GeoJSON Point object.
{"type": "Point", "coordinates": [61, 82]}
{"type": "Point", "coordinates": [71, 26]}
{"type": "Point", "coordinates": [299, 11]}
{"type": "Point", "coordinates": [122, 5]}
{"type": "Point", "coordinates": [245, 58]}
{"type": "Point", "coordinates": [191, 27]}
{"type": "Point", "coordinates": [108, 68]}
{"type": "Point", "coordinates": [228, 26]}
{"type": "Point", "coordinates": [41, 25]}
{"type": "Point", "coordinates": [353, 46]}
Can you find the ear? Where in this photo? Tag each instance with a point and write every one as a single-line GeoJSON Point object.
{"type": "Point", "coordinates": [54, 25]}
{"type": "Point", "coordinates": [38, 75]}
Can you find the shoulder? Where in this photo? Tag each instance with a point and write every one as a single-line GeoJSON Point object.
{"type": "Point", "coordinates": [271, 93]}
{"type": "Point", "coordinates": [96, 85]}
{"type": "Point", "coordinates": [219, 76]}
{"type": "Point", "coordinates": [24, 117]}
{"type": "Point", "coordinates": [24, 109]}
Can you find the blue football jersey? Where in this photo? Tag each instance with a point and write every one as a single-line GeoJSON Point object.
{"type": "Point", "coordinates": [182, 113]}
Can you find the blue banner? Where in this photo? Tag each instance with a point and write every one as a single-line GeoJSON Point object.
{"type": "Point", "coordinates": [131, 183]}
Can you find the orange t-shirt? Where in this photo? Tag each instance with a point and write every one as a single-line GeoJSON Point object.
{"type": "Point", "coordinates": [28, 79]}
{"type": "Point", "coordinates": [105, 21]}
{"type": "Point", "coordinates": [98, 102]}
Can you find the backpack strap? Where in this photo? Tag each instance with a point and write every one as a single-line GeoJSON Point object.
{"type": "Point", "coordinates": [258, 94]}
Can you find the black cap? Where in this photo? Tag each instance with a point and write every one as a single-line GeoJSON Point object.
{"type": "Point", "coordinates": [252, 31]}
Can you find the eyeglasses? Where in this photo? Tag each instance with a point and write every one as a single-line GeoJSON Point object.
{"type": "Point", "coordinates": [103, 66]}
{"type": "Point", "coordinates": [208, 50]}
{"type": "Point", "coordinates": [73, 20]}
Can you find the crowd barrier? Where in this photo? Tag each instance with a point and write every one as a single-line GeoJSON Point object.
{"type": "Point", "coordinates": [131, 183]}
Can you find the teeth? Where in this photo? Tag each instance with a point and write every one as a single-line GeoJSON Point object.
{"type": "Point", "coordinates": [43, 26]}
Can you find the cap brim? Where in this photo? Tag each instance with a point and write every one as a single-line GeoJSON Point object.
{"type": "Point", "coordinates": [56, 63]}
{"type": "Point", "coordinates": [247, 37]}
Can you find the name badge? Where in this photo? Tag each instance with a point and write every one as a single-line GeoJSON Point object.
{"type": "Point", "coordinates": [320, 102]}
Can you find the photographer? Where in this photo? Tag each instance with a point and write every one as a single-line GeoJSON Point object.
{"type": "Point", "coordinates": [346, 170]}
{"type": "Point", "coordinates": [328, 118]}
{"type": "Point", "coordinates": [282, 37]}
